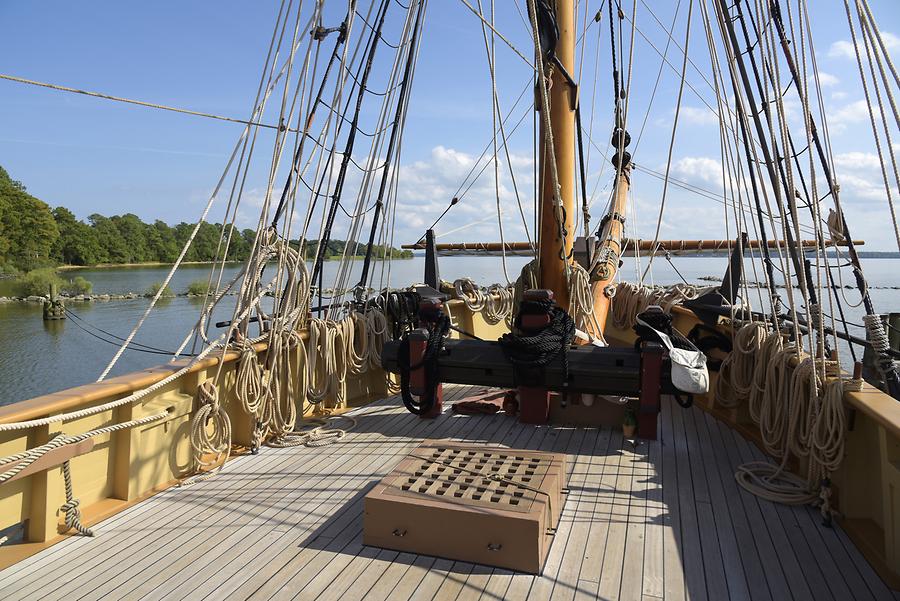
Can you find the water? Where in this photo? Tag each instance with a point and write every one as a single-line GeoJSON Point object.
{"type": "Point", "coordinates": [40, 357]}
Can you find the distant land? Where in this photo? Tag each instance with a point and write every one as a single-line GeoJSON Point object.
{"type": "Point", "coordinates": [33, 236]}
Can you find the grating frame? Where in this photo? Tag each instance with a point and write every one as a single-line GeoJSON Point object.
{"type": "Point", "coordinates": [504, 479]}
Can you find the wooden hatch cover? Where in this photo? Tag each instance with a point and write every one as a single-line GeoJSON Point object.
{"type": "Point", "coordinates": [487, 505]}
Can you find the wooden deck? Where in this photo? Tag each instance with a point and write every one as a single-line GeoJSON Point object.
{"type": "Point", "coordinates": [664, 520]}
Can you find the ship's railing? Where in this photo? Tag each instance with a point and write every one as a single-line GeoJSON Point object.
{"type": "Point", "coordinates": [126, 467]}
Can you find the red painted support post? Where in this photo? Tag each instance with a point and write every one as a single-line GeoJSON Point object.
{"type": "Point", "coordinates": [651, 377]}
{"type": "Point", "coordinates": [418, 343]}
{"type": "Point", "coordinates": [534, 402]}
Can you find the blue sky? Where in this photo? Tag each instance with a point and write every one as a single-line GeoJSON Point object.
{"type": "Point", "coordinates": [93, 155]}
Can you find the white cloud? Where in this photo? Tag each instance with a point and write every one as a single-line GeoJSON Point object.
{"type": "Point", "coordinates": [857, 160]}
{"type": "Point", "coordinates": [826, 80]}
{"type": "Point", "coordinates": [862, 188]}
{"type": "Point", "coordinates": [844, 48]}
{"type": "Point", "coordinates": [694, 115]}
{"type": "Point", "coordinates": [841, 49]}
{"type": "Point", "coordinates": [849, 114]}
{"type": "Point", "coordinates": [698, 170]}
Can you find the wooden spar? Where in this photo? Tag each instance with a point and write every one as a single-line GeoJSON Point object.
{"type": "Point", "coordinates": [675, 246]}
{"type": "Point", "coordinates": [609, 249]}
{"type": "Point", "coordinates": [555, 251]}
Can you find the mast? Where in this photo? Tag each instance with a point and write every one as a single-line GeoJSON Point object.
{"type": "Point", "coordinates": [556, 251]}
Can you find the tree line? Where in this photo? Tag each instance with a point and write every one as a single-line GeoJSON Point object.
{"type": "Point", "coordinates": [32, 235]}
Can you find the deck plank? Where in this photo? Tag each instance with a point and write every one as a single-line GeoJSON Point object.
{"type": "Point", "coordinates": [142, 537]}
{"type": "Point", "coordinates": [130, 520]}
{"type": "Point", "coordinates": [307, 487]}
{"type": "Point", "coordinates": [298, 562]}
{"type": "Point", "coordinates": [603, 514]}
{"type": "Point", "coordinates": [582, 486]}
{"type": "Point", "coordinates": [354, 573]}
{"type": "Point", "coordinates": [763, 575]}
{"type": "Point", "coordinates": [822, 574]}
{"type": "Point", "coordinates": [633, 571]}
{"type": "Point", "coordinates": [800, 590]}
{"type": "Point", "coordinates": [725, 579]}
{"type": "Point", "coordinates": [613, 554]}
{"type": "Point", "coordinates": [662, 521]}
{"type": "Point", "coordinates": [354, 579]}
{"type": "Point", "coordinates": [673, 573]}
{"type": "Point", "coordinates": [654, 574]}
{"type": "Point", "coordinates": [569, 441]}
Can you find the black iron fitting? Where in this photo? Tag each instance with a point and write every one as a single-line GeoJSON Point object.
{"type": "Point", "coordinates": [320, 33]}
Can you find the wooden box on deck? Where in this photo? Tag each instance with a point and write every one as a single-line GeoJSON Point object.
{"type": "Point", "coordinates": [426, 505]}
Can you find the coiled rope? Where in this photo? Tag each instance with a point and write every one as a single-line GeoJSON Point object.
{"type": "Point", "coordinates": [210, 433]}
{"type": "Point", "coordinates": [498, 304]}
{"type": "Point", "coordinates": [319, 434]}
{"type": "Point", "coordinates": [581, 301]}
{"type": "Point", "coordinates": [630, 300]}
{"type": "Point", "coordinates": [470, 294]}
{"type": "Point", "coordinates": [735, 381]}
{"type": "Point", "coordinates": [535, 351]}
{"type": "Point", "coordinates": [798, 415]}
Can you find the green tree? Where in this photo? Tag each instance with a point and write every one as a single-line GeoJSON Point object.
{"type": "Point", "coordinates": [161, 242]}
{"type": "Point", "coordinates": [77, 243]}
{"type": "Point", "coordinates": [132, 232]}
{"type": "Point", "coordinates": [239, 248]}
{"type": "Point", "coordinates": [112, 246]}
{"type": "Point", "coordinates": [27, 228]}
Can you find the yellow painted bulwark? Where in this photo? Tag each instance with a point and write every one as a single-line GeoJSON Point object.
{"type": "Point", "coordinates": [131, 465]}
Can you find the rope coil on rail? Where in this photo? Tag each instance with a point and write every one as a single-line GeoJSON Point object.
{"type": "Point", "coordinates": [737, 371]}
{"type": "Point", "coordinates": [798, 415]}
{"type": "Point", "coordinates": [204, 442]}
{"type": "Point", "coordinates": [470, 294]}
{"type": "Point", "coordinates": [630, 300]}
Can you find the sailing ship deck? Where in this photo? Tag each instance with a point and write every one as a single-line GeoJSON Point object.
{"type": "Point", "coordinates": [663, 520]}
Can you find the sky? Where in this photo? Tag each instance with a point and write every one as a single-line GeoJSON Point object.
{"type": "Point", "coordinates": [97, 156]}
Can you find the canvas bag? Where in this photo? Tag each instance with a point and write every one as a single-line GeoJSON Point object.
{"type": "Point", "coordinates": [689, 373]}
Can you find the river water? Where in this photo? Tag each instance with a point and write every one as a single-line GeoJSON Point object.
{"type": "Point", "coordinates": [38, 357]}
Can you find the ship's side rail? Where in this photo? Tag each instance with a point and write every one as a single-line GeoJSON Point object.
{"type": "Point", "coordinates": [125, 467]}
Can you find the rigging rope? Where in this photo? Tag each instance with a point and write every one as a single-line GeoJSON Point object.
{"type": "Point", "coordinates": [153, 105]}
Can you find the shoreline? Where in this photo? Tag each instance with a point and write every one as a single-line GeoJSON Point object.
{"type": "Point", "coordinates": [151, 264]}
{"type": "Point", "coordinates": [183, 263]}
